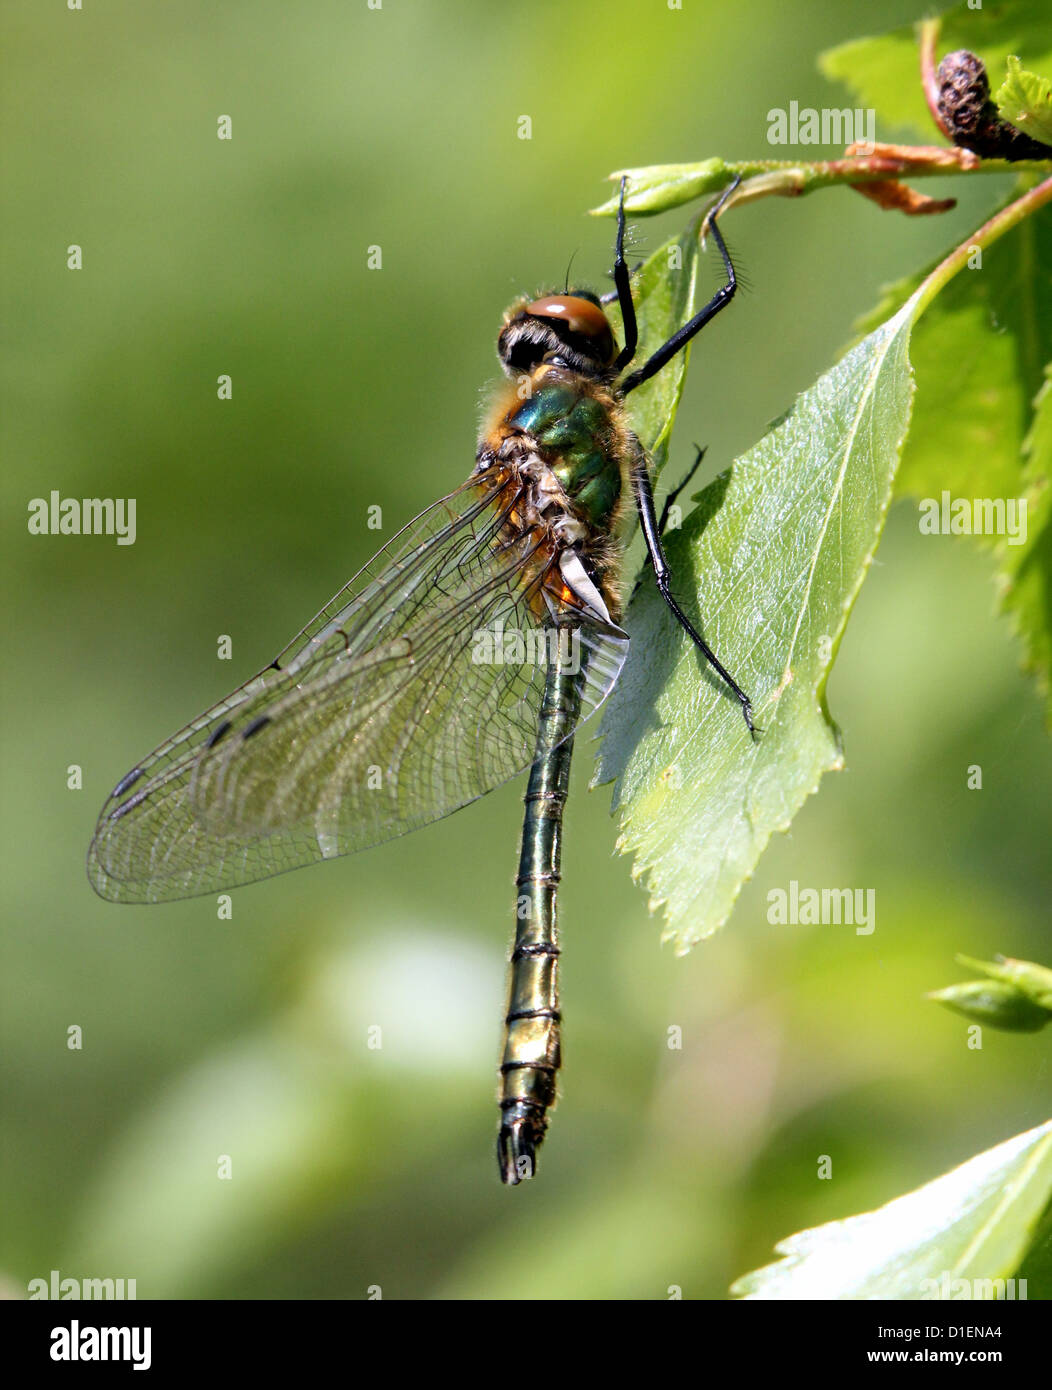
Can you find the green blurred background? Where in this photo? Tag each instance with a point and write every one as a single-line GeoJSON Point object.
{"type": "Point", "coordinates": [354, 388]}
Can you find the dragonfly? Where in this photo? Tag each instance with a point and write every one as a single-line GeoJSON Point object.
{"type": "Point", "coordinates": [467, 651]}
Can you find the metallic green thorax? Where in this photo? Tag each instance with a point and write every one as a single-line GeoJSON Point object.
{"type": "Point", "coordinates": [531, 1048]}
{"type": "Point", "coordinates": [574, 430]}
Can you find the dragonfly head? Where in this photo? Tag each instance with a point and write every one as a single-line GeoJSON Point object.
{"type": "Point", "coordinates": [567, 330]}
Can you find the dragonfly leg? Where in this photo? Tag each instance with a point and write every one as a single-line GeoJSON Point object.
{"type": "Point", "coordinates": [663, 578]}
{"type": "Point", "coordinates": [684, 482]}
{"type": "Point", "coordinates": [667, 509]}
{"type": "Point", "coordinates": [719, 300]}
{"type": "Point", "coordinates": [608, 296]}
{"type": "Point", "coordinates": [623, 285]}
{"type": "Point", "coordinates": [532, 1027]}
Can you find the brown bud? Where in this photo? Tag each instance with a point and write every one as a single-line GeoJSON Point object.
{"type": "Point", "coordinates": [971, 117]}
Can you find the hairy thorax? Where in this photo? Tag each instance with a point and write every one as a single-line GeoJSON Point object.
{"type": "Point", "coordinates": [568, 451]}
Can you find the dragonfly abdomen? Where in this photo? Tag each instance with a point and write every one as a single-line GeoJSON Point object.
{"type": "Point", "coordinates": [532, 1033]}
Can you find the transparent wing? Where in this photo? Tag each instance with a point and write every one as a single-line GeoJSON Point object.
{"type": "Point", "coordinates": [396, 705]}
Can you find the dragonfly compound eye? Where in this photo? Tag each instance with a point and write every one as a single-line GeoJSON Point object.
{"type": "Point", "coordinates": [580, 317]}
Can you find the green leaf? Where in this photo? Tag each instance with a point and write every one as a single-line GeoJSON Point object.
{"type": "Point", "coordinates": [976, 1223]}
{"type": "Point", "coordinates": [1015, 996]}
{"type": "Point", "coordinates": [884, 72]}
{"type": "Point", "coordinates": [979, 354]}
{"type": "Point", "coordinates": [777, 550]}
{"type": "Point", "coordinates": [1025, 100]}
{"type": "Point", "coordinates": [657, 187]}
{"type": "Point", "coordinates": [1036, 1267]}
{"type": "Point", "coordinates": [996, 1003]}
{"type": "Point", "coordinates": [982, 425]}
{"type": "Point", "coordinates": [664, 293]}
{"type": "Point", "coordinates": [1030, 979]}
{"type": "Point", "coordinates": [1026, 575]}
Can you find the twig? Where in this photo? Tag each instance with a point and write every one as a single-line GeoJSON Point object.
{"type": "Point", "coordinates": [928, 33]}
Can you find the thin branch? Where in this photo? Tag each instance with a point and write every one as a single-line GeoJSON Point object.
{"type": "Point", "coordinates": [657, 188]}
{"type": "Point", "coordinates": [928, 34]}
{"type": "Point", "coordinates": [986, 235]}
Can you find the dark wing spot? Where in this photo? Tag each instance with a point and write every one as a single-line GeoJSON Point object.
{"type": "Point", "coordinates": [126, 783]}
{"type": "Point", "coordinates": [256, 725]}
{"type": "Point", "coordinates": [217, 733]}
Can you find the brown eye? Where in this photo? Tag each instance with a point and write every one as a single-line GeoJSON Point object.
{"type": "Point", "coordinates": [583, 318]}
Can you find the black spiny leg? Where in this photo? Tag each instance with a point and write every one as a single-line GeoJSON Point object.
{"type": "Point", "coordinates": [663, 579]}
{"type": "Point", "coordinates": [670, 499]}
{"type": "Point", "coordinates": [609, 296]}
{"type": "Point", "coordinates": [623, 284]}
{"type": "Point", "coordinates": [682, 336]}
{"type": "Point", "coordinates": [640, 474]}
{"type": "Point", "coordinates": [667, 508]}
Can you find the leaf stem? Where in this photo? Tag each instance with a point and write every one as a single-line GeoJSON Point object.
{"type": "Point", "coordinates": [657, 188]}
{"type": "Point", "coordinates": [986, 235]}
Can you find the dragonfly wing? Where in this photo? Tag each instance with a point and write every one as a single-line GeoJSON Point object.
{"type": "Point", "coordinates": [387, 712]}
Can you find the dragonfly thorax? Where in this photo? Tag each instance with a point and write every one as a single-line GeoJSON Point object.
{"type": "Point", "coordinates": [564, 442]}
